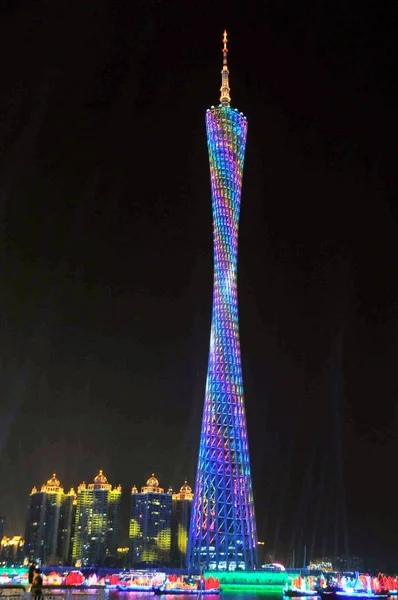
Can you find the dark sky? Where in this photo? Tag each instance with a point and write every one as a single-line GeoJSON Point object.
{"type": "Point", "coordinates": [106, 254]}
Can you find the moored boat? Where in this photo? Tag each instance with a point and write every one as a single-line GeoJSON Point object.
{"type": "Point", "coordinates": [191, 591]}
{"type": "Point", "coordinates": [188, 585]}
{"type": "Point", "coordinates": [135, 582]}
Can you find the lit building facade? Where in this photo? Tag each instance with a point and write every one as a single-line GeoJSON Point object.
{"type": "Point", "coordinates": [150, 525]}
{"type": "Point", "coordinates": [180, 519]}
{"type": "Point", "coordinates": [96, 523]}
{"type": "Point", "coordinates": [43, 522]}
{"type": "Point", "coordinates": [12, 551]}
{"type": "Point", "coordinates": [223, 528]}
{"type": "Point", "coordinates": [66, 527]}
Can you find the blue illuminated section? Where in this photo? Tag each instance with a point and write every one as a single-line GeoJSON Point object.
{"type": "Point", "coordinates": [223, 530]}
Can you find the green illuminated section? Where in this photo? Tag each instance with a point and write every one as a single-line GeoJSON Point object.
{"type": "Point", "coordinates": [272, 581]}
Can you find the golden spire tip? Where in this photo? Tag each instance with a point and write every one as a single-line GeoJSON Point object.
{"type": "Point", "coordinates": [225, 40]}
{"type": "Point", "coordinates": [225, 98]}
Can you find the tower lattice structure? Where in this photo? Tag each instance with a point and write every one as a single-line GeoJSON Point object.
{"type": "Point", "coordinates": [223, 529]}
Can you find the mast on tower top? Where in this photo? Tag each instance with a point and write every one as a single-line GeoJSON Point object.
{"type": "Point", "coordinates": [225, 98]}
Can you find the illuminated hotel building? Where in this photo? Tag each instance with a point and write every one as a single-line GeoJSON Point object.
{"type": "Point", "coordinates": [97, 523]}
{"type": "Point", "coordinates": [180, 518]}
{"type": "Point", "coordinates": [43, 520]}
{"type": "Point", "coordinates": [150, 525]}
{"type": "Point", "coordinates": [12, 550]}
{"type": "Point", "coordinates": [66, 527]}
{"type": "Point", "coordinates": [223, 527]}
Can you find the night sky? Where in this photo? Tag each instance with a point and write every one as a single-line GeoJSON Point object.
{"type": "Point", "coordinates": [106, 255]}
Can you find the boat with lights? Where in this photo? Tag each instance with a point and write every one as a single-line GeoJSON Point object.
{"type": "Point", "coordinates": [188, 586]}
{"type": "Point", "coordinates": [138, 582]}
{"type": "Point", "coordinates": [186, 591]}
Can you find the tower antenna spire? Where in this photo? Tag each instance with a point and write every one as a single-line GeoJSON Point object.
{"type": "Point", "coordinates": [225, 98]}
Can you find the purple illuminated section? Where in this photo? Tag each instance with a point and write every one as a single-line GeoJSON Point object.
{"type": "Point", "coordinates": [223, 530]}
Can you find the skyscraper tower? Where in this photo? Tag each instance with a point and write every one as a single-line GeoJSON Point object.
{"type": "Point", "coordinates": [223, 528]}
{"type": "Point", "coordinates": [43, 533]}
{"type": "Point", "coordinates": [180, 519]}
{"type": "Point", "coordinates": [96, 523]}
{"type": "Point", "coordinates": [150, 525]}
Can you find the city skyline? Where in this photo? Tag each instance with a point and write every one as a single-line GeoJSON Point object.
{"type": "Point", "coordinates": [83, 527]}
{"type": "Point", "coordinates": [106, 254]}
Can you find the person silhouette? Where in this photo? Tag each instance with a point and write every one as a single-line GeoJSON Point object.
{"type": "Point", "coordinates": [37, 584]}
{"type": "Point", "coordinates": [31, 572]}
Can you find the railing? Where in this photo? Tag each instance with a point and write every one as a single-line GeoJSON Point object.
{"type": "Point", "coordinates": [52, 592]}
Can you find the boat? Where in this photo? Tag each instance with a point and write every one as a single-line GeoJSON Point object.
{"type": "Point", "coordinates": [134, 582]}
{"type": "Point", "coordinates": [188, 585]}
{"type": "Point", "coordinates": [191, 591]}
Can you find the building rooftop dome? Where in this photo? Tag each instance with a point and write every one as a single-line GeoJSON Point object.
{"type": "Point", "coordinates": [52, 486]}
{"type": "Point", "coordinates": [152, 486]}
{"type": "Point", "coordinates": [53, 481]}
{"type": "Point", "coordinates": [185, 492]}
{"type": "Point", "coordinates": [100, 478]}
{"type": "Point", "coordinates": [152, 481]}
{"type": "Point", "coordinates": [185, 489]}
{"type": "Point", "coordinates": [100, 482]}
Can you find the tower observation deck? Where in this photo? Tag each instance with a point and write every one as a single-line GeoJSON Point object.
{"type": "Point", "coordinates": [223, 528]}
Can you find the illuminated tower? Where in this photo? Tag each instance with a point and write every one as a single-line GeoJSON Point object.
{"type": "Point", "coordinates": [150, 525]}
{"type": "Point", "coordinates": [96, 523]}
{"type": "Point", "coordinates": [45, 528]}
{"type": "Point", "coordinates": [180, 519]}
{"type": "Point", "coordinates": [223, 528]}
{"type": "Point", "coordinates": [66, 527]}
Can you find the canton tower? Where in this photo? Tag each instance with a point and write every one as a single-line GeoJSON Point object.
{"type": "Point", "coordinates": [223, 528]}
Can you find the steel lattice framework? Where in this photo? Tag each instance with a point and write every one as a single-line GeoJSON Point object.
{"type": "Point", "coordinates": [223, 530]}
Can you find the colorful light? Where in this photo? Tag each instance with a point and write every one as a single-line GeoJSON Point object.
{"type": "Point", "coordinates": [223, 531]}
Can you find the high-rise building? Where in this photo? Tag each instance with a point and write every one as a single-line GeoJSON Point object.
{"type": "Point", "coordinates": [12, 550]}
{"type": "Point", "coordinates": [66, 527]}
{"type": "Point", "coordinates": [96, 523]}
{"type": "Point", "coordinates": [150, 525]}
{"type": "Point", "coordinates": [43, 521]}
{"type": "Point", "coordinates": [223, 528]}
{"type": "Point", "coordinates": [180, 519]}
{"type": "Point", "coordinates": [2, 521]}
